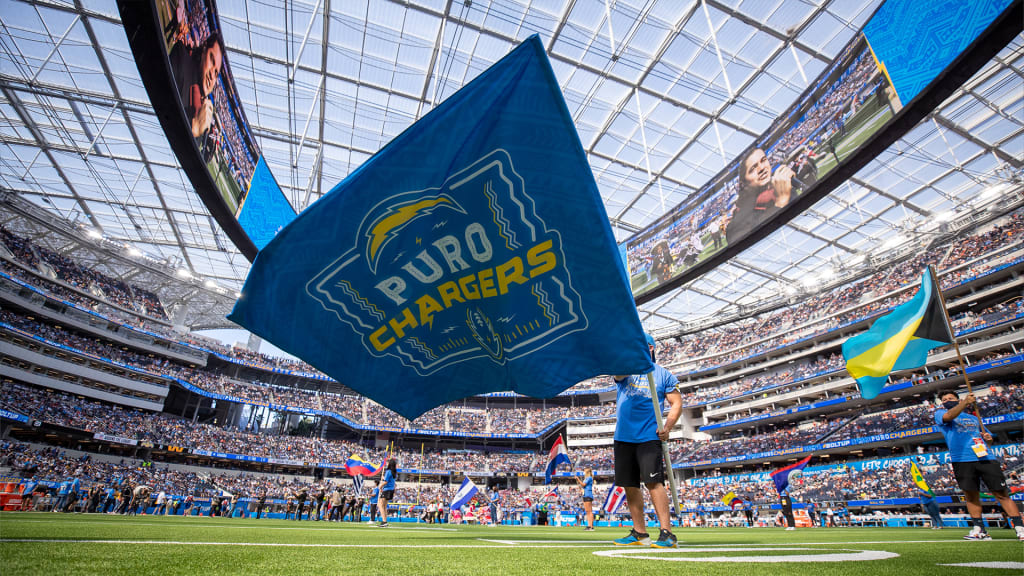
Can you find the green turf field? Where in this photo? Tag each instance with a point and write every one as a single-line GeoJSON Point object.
{"type": "Point", "coordinates": [43, 543]}
{"type": "Point", "coordinates": [858, 133]}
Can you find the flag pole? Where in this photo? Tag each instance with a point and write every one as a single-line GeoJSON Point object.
{"type": "Point", "coordinates": [952, 336]}
{"type": "Point", "coordinates": [419, 482]}
{"type": "Point", "coordinates": [666, 453]}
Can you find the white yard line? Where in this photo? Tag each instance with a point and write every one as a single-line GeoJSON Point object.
{"type": "Point", "coordinates": [1001, 565]}
{"type": "Point", "coordinates": [279, 544]}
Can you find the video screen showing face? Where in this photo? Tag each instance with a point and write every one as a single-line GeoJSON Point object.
{"type": "Point", "coordinates": [849, 103]}
{"type": "Point", "coordinates": [206, 88]}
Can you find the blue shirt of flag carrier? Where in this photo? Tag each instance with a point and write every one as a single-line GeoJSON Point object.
{"type": "Point", "coordinates": [635, 411]}
{"type": "Point", "coordinates": [961, 434]}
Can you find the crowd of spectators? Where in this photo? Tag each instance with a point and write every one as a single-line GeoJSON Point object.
{"type": "Point", "coordinates": [820, 313]}
{"type": "Point", "coordinates": [72, 412]}
{"type": "Point", "coordinates": [995, 401]}
{"type": "Point", "coordinates": [837, 483]}
{"type": "Point", "coordinates": [806, 373]}
{"type": "Point", "coordinates": [123, 294]}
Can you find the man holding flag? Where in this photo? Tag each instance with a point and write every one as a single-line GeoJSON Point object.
{"type": "Point", "coordinates": [781, 478]}
{"type": "Point", "coordinates": [638, 450]}
{"type": "Point", "coordinates": [973, 462]}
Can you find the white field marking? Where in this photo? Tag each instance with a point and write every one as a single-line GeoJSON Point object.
{"type": "Point", "coordinates": [278, 544]}
{"type": "Point", "coordinates": [198, 524]}
{"type": "Point", "coordinates": [516, 542]}
{"type": "Point", "coordinates": [1005, 565]}
{"type": "Point", "coordinates": [759, 543]}
{"type": "Point", "coordinates": [848, 555]}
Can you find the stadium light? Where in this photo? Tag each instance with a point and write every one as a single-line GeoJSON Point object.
{"type": "Point", "coordinates": [133, 251]}
{"type": "Point", "coordinates": [893, 242]}
{"type": "Point", "coordinates": [210, 284]}
{"type": "Point", "coordinates": [946, 216]}
{"type": "Point", "coordinates": [183, 273]}
{"type": "Point", "coordinates": [94, 234]}
{"type": "Point", "coordinates": [994, 190]}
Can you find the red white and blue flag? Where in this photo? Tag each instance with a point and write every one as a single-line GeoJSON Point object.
{"type": "Point", "coordinates": [782, 475]}
{"type": "Point", "coordinates": [557, 455]}
{"type": "Point", "coordinates": [551, 495]}
{"type": "Point", "coordinates": [614, 499]}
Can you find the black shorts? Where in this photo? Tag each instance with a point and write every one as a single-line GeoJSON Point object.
{"type": "Point", "coordinates": [968, 473]}
{"type": "Point", "coordinates": [588, 499]}
{"type": "Point", "coordinates": [388, 495]}
{"type": "Point", "coordinates": [637, 464]}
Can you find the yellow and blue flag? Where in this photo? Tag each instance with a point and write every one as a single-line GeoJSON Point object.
{"type": "Point", "coordinates": [471, 254]}
{"type": "Point", "coordinates": [899, 340]}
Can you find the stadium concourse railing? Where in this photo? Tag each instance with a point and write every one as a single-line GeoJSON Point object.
{"type": "Point", "coordinates": [862, 319]}
{"type": "Point", "coordinates": [465, 434]}
{"type": "Point", "coordinates": [470, 434]}
{"type": "Point", "coordinates": [322, 377]}
{"type": "Point", "coordinates": [204, 351]}
{"type": "Point", "coordinates": [259, 366]}
{"type": "Point", "coordinates": [921, 433]}
{"type": "Point", "coordinates": [889, 389]}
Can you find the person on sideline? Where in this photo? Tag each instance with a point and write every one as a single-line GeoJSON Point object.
{"type": "Point", "coordinates": [587, 483]}
{"type": "Point", "coordinates": [387, 492]}
{"type": "Point", "coordinates": [637, 449]}
{"type": "Point", "coordinates": [973, 462]}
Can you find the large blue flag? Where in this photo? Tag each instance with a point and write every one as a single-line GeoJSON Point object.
{"type": "Point", "coordinates": [471, 254]}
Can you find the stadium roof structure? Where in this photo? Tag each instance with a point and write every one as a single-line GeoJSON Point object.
{"type": "Point", "coordinates": [663, 92]}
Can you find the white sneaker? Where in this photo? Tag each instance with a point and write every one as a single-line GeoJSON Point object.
{"type": "Point", "coordinates": [978, 534]}
{"type": "Point", "coordinates": [1020, 532]}
{"type": "Point", "coordinates": [791, 528]}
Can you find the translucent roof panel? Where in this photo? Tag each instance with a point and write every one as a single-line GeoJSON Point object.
{"type": "Point", "coordinates": [663, 93]}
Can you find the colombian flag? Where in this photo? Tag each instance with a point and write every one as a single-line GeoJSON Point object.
{"type": "Point", "coordinates": [918, 478]}
{"type": "Point", "coordinates": [732, 500]}
{"type": "Point", "coordinates": [899, 340]}
{"type": "Point", "coordinates": [355, 465]}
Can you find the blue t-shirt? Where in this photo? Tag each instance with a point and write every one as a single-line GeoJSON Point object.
{"type": "Point", "coordinates": [64, 488]}
{"type": "Point", "coordinates": [76, 485]}
{"type": "Point", "coordinates": [588, 487]}
{"type": "Point", "coordinates": [389, 480]}
{"type": "Point", "coordinates": [635, 411]}
{"type": "Point", "coordinates": [374, 495]}
{"type": "Point", "coordinates": [961, 434]}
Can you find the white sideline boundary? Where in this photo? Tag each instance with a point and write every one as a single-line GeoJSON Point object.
{"type": "Point", "coordinates": [199, 524]}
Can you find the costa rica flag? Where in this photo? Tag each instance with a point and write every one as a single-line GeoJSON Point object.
{"type": "Point", "coordinates": [557, 455]}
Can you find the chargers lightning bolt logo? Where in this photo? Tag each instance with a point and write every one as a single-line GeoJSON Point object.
{"type": "Point", "coordinates": [430, 268]}
{"type": "Point", "coordinates": [398, 217]}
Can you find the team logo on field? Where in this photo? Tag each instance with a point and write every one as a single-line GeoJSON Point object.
{"type": "Point", "coordinates": [445, 275]}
